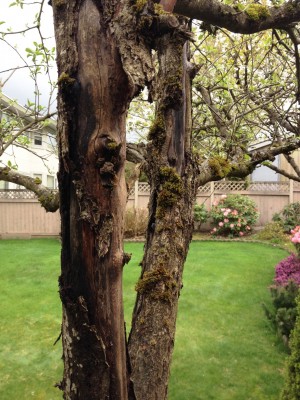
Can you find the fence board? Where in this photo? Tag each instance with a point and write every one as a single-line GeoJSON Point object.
{"type": "Point", "coordinates": [25, 217]}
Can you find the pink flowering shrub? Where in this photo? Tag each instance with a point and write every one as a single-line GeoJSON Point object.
{"type": "Point", "coordinates": [286, 270]}
{"type": "Point", "coordinates": [295, 238]}
{"type": "Point", "coordinates": [233, 215]}
{"type": "Point", "coordinates": [285, 290]}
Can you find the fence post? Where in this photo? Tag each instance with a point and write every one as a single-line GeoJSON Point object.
{"type": "Point", "coordinates": [136, 194]}
{"type": "Point", "coordinates": [212, 193]}
{"type": "Point", "coordinates": [291, 195]}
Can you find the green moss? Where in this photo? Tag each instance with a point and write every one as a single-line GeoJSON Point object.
{"type": "Point", "coordinates": [290, 7]}
{"type": "Point", "coordinates": [220, 166]}
{"type": "Point", "coordinates": [65, 80]}
{"type": "Point", "coordinates": [257, 11]}
{"type": "Point", "coordinates": [157, 131]}
{"type": "Point", "coordinates": [140, 4]}
{"type": "Point", "coordinates": [112, 145]}
{"type": "Point", "coordinates": [159, 284]}
{"type": "Point", "coordinates": [59, 3]}
{"type": "Point", "coordinates": [173, 88]}
{"type": "Point", "coordinates": [171, 190]}
{"type": "Point", "coordinates": [37, 181]}
{"type": "Point", "coordinates": [159, 10]}
{"type": "Point", "coordinates": [46, 200]}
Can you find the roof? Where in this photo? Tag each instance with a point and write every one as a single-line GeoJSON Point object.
{"type": "Point", "coordinates": [24, 112]}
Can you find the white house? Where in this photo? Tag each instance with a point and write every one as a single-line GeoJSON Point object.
{"type": "Point", "coordinates": [36, 154]}
{"type": "Point", "coordinates": [265, 174]}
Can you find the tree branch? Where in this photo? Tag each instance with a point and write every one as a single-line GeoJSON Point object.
{"type": "Point", "coordinates": [48, 198]}
{"type": "Point", "coordinates": [135, 152]}
{"type": "Point", "coordinates": [283, 172]}
{"type": "Point", "coordinates": [242, 168]}
{"type": "Point", "coordinates": [231, 18]}
{"type": "Point", "coordinates": [293, 164]}
{"type": "Point", "coordinates": [25, 129]}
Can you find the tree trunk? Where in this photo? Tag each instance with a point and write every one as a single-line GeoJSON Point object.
{"type": "Point", "coordinates": [173, 190]}
{"type": "Point", "coordinates": [92, 104]}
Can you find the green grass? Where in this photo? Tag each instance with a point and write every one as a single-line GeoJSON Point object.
{"type": "Point", "coordinates": [30, 319]}
{"type": "Point", "coordinates": [225, 348]}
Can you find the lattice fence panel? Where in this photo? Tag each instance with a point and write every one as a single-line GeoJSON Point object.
{"type": "Point", "coordinates": [279, 187]}
{"type": "Point", "coordinates": [296, 185]}
{"type": "Point", "coordinates": [229, 186]}
{"type": "Point", "coordinates": [131, 191]}
{"type": "Point", "coordinates": [17, 194]}
{"type": "Point", "coordinates": [204, 189]}
{"type": "Point", "coordinates": [144, 187]}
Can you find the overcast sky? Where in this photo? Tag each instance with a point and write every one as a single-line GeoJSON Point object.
{"type": "Point", "coordinates": [20, 86]}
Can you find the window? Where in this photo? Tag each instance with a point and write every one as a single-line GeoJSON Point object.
{"type": "Point", "coordinates": [50, 182]}
{"type": "Point", "coordinates": [3, 185]}
{"type": "Point", "coordinates": [38, 140]}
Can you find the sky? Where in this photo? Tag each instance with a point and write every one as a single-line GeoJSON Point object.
{"type": "Point", "coordinates": [20, 86]}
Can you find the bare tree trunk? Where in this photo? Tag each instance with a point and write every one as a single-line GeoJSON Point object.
{"type": "Point", "coordinates": [173, 189]}
{"type": "Point", "coordinates": [93, 100]}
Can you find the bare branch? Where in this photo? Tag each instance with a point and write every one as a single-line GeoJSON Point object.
{"type": "Point", "coordinates": [26, 128]}
{"type": "Point", "coordinates": [283, 172]}
{"type": "Point", "coordinates": [135, 152]}
{"type": "Point", "coordinates": [293, 164]}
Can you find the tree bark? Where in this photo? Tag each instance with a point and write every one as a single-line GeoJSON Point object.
{"type": "Point", "coordinates": [171, 171]}
{"type": "Point", "coordinates": [92, 104]}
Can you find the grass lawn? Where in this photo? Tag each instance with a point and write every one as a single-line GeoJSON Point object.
{"type": "Point", "coordinates": [225, 349]}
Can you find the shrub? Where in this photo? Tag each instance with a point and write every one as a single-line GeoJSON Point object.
{"type": "Point", "coordinates": [295, 238]}
{"type": "Point", "coordinates": [135, 222]}
{"type": "Point", "coordinates": [233, 215]}
{"type": "Point", "coordinates": [289, 217]}
{"type": "Point", "coordinates": [291, 390]}
{"type": "Point", "coordinates": [200, 215]}
{"type": "Point", "coordinates": [273, 232]}
{"type": "Point", "coordinates": [284, 293]}
{"type": "Point", "coordinates": [283, 314]}
{"type": "Point", "coordinates": [287, 270]}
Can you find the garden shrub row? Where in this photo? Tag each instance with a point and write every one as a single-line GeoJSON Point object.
{"type": "Point", "coordinates": [286, 312]}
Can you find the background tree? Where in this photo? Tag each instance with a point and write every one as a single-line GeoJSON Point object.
{"type": "Point", "coordinates": [18, 124]}
{"type": "Point", "coordinates": [246, 94]}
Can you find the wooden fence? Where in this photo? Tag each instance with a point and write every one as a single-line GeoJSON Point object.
{"type": "Point", "coordinates": [270, 197]}
{"type": "Point", "coordinates": [22, 216]}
